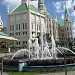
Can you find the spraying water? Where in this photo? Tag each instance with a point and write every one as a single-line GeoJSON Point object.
{"type": "Point", "coordinates": [40, 52]}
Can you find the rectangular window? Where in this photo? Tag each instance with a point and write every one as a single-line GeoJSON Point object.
{"type": "Point", "coordinates": [74, 39]}
{"type": "Point", "coordinates": [12, 43]}
{"type": "Point", "coordinates": [11, 34]}
{"type": "Point", "coordinates": [17, 33]}
{"type": "Point", "coordinates": [70, 28]}
{"type": "Point", "coordinates": [47, 26]}
{"type": "Point", "coordinates": [32, 25]}
{"type": "Point", "coordinates": [24, 42]}
{"type": "Point", "coordinates": [24, 25]}
{"type": "Point", "coordinates": [61, 30]}
{"type": "Point", "coordinates": [24, 33]}
{"type": "Point", "coordinates": [68, 33]}
{"type": "Point", "coordinates": [63, 35]}
{"type": "Point", "coordinates": [50, 31]}
{"type": "Point", "coordinates": [37, 27]}
{"type": "Point", "coordinates": [17, 43]}
{"type": "Point", "coordinates": [17, 26]}
{"type": "Point", "coordinates": [67, 28]}
{"type": "Point", "coordinates": [11, 27]}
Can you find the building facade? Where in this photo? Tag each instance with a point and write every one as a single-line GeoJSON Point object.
{"type": "Point", "coordinates": [24, 23]}
{"type": "Point", "coordinates": [66, 29]}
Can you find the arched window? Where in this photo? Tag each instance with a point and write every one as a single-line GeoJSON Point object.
{"type": "Point", "coordinates": [3, 45]}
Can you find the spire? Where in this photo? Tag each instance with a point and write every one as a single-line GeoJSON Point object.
{"type": "Point", "coordinates": [23, 1]}
{"type": "Point", "coordinates": [67, 15]}
{"type": "Point", "coordinates": [55, 16]}
{"type": "Point", "coordinates": [65, 9]}
{"type": "Point", "coordinates": [41, 5]}
{"type": "Point", "coordinates": [8, 9]}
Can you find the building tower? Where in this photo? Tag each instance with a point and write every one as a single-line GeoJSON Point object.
{"type": "Point", "coordinates": [8, 9]}
{"type": "Point", "coordinates": [1, 23]}
{"type": "Point", "coordinates": [41, 6]}
{"type": "Point", "coordinates": [67, 26]}
{"type": "Point", "coordinates": [25, 1]}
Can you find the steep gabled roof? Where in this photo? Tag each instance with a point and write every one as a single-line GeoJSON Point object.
{"type": "Point", "coordinates": [32, 8]}
{"type": "Point", "coordinates": [24, 7]}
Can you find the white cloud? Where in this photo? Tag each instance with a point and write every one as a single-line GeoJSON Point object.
{"type": "Point", "coordinates": [73, 13]}
{"type": "Point", "coordinates": [58, 6]}
{"type": "Point", "coordinates": [62, 16]}
{"type": "Point", "coordinates": [74, 2]}
{"type": "Point", "coordinates": [69, 4]}
{"type": "Point", "coordinates": [12, 3]}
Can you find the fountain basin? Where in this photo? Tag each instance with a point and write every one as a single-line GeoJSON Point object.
{"type": "Point", "coordinates": [48, 62]}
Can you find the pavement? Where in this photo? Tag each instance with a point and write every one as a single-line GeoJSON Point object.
{"type": "Point", "coordinates": [3, 73]}
{"type": "Point", "coordinates": [60, 73]}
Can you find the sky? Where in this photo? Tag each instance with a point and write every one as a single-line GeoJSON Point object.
{"type": "Point", "coordinates": [54, 7]}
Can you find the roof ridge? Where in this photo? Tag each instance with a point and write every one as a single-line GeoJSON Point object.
{"type": "Point", "coordinates": [34, 7]}
{"type": "Point", "coordinates": [15, 8]}
{"type": "Point", "coordinates": [20, 7]}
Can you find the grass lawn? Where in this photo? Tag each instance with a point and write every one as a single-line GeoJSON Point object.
{"type": "Point", "coordinates": [25, 73]}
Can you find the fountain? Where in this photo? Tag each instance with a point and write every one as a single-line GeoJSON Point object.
{"type": "Point", "coordinates": [42, 51]}
{"type": "Point", "coordinates": [41, 55]}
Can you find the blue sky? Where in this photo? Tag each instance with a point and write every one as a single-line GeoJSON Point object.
{"type": "Point", "coordinates": [54, 7]}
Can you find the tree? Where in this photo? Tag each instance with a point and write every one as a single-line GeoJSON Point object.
{"type": "Point", "coordinates": [69, 43]}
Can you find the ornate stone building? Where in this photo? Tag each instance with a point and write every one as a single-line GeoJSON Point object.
{"type": "Point", "coordinates": [24, 22]}
{"type": "Point", "coordinates": [66, 29]}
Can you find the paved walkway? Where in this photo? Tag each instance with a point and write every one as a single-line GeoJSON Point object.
{"type": "Point", "coordinates": [3, 73]}
{"type": "Point", "coordinates": [60, 73]}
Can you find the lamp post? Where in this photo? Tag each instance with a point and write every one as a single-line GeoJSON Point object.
{"type": "Point", "coordinates": [1, 65]}
{"type": "Point", "coordinates": [65, 63]}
